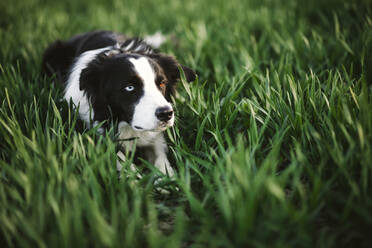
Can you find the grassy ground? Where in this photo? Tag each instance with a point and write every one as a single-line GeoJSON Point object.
{"type": "Point", "coordinates": [272, 144]}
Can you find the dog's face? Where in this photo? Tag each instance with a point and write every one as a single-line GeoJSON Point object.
{"type": "Point", "coordinates": [133, 88]}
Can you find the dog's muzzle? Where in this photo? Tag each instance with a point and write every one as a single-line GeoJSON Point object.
{"type": "Point", "coordinates": [164, 113]}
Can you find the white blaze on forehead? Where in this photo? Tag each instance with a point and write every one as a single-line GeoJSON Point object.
{"type": "Point", "coordinates": [152, 99]}
{"type": "Point", "coordinates": [144, 70]}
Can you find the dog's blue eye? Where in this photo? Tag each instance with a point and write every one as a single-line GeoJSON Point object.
{"type": "Point", "coordinates": [129, 88]}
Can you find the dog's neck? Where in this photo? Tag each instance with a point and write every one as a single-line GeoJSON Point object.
{"type": "Point", "coordinates": [129, 137]}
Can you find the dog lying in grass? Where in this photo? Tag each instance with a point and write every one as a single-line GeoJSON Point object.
{"type": "Point", "coordinates": [120, 80]}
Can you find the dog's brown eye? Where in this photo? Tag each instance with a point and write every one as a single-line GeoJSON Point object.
{"type": "Point", "coordinates": [162, 84]}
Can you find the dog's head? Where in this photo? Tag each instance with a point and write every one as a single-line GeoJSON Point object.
{"type": "Point", "coordinates": [133, 88]}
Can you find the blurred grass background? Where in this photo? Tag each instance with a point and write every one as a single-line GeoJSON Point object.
{"type": "Point", "coordinates": [272, 144]}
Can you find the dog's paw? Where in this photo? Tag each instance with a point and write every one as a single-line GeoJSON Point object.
{"type": "Point", "coordinates": [163, 187]}
{"type": "Point", "coordinates": [119, 167]}
{"type": "Point", "coordinates": [164, 166]}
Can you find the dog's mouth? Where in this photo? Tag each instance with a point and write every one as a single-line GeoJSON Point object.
{"type": "Point", "coordinates": [162, 125]}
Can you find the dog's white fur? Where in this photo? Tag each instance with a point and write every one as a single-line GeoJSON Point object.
{"type": "Point", "coordinates": [155, 40]}
{"type": "Point", "coordinates": [144, 139]}
{"type": "Point", "coordinates": [144, 112]}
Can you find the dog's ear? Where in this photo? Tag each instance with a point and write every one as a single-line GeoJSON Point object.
{"type": "Point", "coordinates": [189, 73]}
{"type": "Point", "coordinates": [172, 70]}
{"type": "Point", "coordinates": [90, 76]}
{"type": "Point", "coordinates": [171, 67]}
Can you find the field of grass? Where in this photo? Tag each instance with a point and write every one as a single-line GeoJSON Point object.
{"type": "Point", "coordinates": [272, 143]}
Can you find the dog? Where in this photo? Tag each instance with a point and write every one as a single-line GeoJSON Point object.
{"type": "Point", "coordinates": [109, 77]}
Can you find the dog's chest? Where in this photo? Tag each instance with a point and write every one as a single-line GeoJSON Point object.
{"type": "Point", "coordinates": [130, 138]}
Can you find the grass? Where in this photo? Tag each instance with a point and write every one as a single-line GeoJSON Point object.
{"type": "Point", "coordinates": [272, 143]}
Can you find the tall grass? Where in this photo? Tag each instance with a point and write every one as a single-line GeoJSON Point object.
{"type": "Point", "coordinates": [272, 143]}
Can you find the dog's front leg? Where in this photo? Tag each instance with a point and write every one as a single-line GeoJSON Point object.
{"type": "Point", "coordinates": [122, 158]}
{"type": "Point", "coordinates": [162, 163]}
{"type": "Point", "coordinates": [161, 160]}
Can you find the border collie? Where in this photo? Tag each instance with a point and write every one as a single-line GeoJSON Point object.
{"type": "Point", "coordinates": [111, 78]}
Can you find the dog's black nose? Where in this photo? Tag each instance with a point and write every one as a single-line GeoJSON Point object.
{"type": "Point", "coordinates": [164, 113]}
